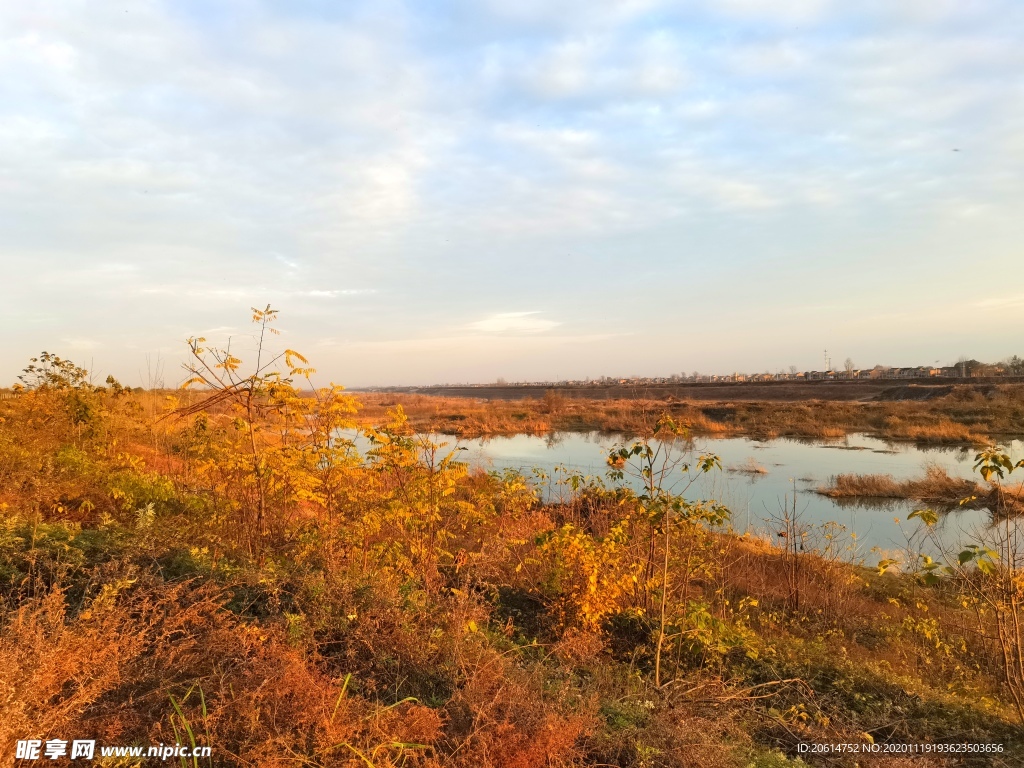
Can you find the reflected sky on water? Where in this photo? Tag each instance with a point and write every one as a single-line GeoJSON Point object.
{"type": "Point", "coordinates": [759, 477]}
{"type": "Point", "coordinates": [759, 480]}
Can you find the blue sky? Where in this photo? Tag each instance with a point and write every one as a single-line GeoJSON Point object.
{"type": "Point", "coordinates": [460, 191]}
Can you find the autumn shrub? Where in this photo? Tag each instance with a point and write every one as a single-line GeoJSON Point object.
{"type": "Point", "coordinates": [124, 666]}
{"type": "Point", "coordinates": [226, 563]}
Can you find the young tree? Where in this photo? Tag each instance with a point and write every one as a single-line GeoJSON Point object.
{"type": "Point", "coordinates": [49, 371]}
{"type": "Point", "coordinates": [989, 574]}
{"type": "Point", "coordinates": [654, 462]}
{"type": "Point", "coordinates": [283, 430]}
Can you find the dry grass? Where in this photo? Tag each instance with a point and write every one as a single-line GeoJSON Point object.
{"type": "Point", "coordinates": [937, 488]}
{"type": "Point", "coordinates": [964, 416]}
{"type": "Point", "coordinates": [944, 431]}
{"type": "Point", "coordinates": [341, 647]}
{"type": "Point", "coordinates": [110, 673]}
{"type": "Point", "coordinates": [476, 418]}
{"type": "Point", "coordinates": [749, 467]}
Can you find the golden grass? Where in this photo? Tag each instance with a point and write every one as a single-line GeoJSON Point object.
{"type": "Point", "coordinates": [944, 431]}
{"type": "Point", "coordinates": [477, 418]}
{"type": "Point", "coordinates": [962, 417]}
{"type": "Point", "coordinates": [749, 467]}
{"type": "Point", "coordinates": [937, 487]}
{"type": "Point", "coordinates": [340, 646]}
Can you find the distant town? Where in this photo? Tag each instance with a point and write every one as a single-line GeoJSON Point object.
{"type": "Point", "coordinates": [963, 369]}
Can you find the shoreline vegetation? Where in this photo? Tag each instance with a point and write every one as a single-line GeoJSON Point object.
{"type": "Point", "coordinates": [937, 488]}
{"type": "Point", "coordinates": [219, 563]}
{"type": "Point", "coordinates": [965, 415]}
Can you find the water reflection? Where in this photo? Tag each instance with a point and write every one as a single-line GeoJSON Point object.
{"type": "Point", "coordinates": [763, 479]}
{"type": "Point", "coordinates": [761, 476]}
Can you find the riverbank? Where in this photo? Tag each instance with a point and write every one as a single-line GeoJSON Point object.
{"type": "Point", "coordinates": [956, 415]}
{"type": "Point", "coordinates": [723, 391]}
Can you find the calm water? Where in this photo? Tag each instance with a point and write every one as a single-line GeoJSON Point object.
{"type": "Point", "coordinates": [864, 531]}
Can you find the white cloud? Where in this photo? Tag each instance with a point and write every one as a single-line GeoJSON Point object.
{"type": "Point", "coordinates": [81, 344]}
{"type": "Point", "coordinates": [567, 14]}
{"type": "Point", "coordinates": [515, 323]}
{"type": "Point", "coordinates": [468, 344]}
{"type": "Point", "coordinates": [173, 162]}
{"type": "Point", "coordinates": [779, 11]}
{"type": "Point", "coordinates": [334, 293]}
{"type": "Point", "coordinates": [1001, 302]}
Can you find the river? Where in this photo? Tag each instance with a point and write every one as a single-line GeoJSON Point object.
{"type": "Point", "coordinates": [862, 531]}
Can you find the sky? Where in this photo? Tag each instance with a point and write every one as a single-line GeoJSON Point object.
{"type": "Point", "coordinates": [460, 191]}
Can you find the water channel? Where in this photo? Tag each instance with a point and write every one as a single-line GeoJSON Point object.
{"type": "Point", "coordinates": [759, 479]}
